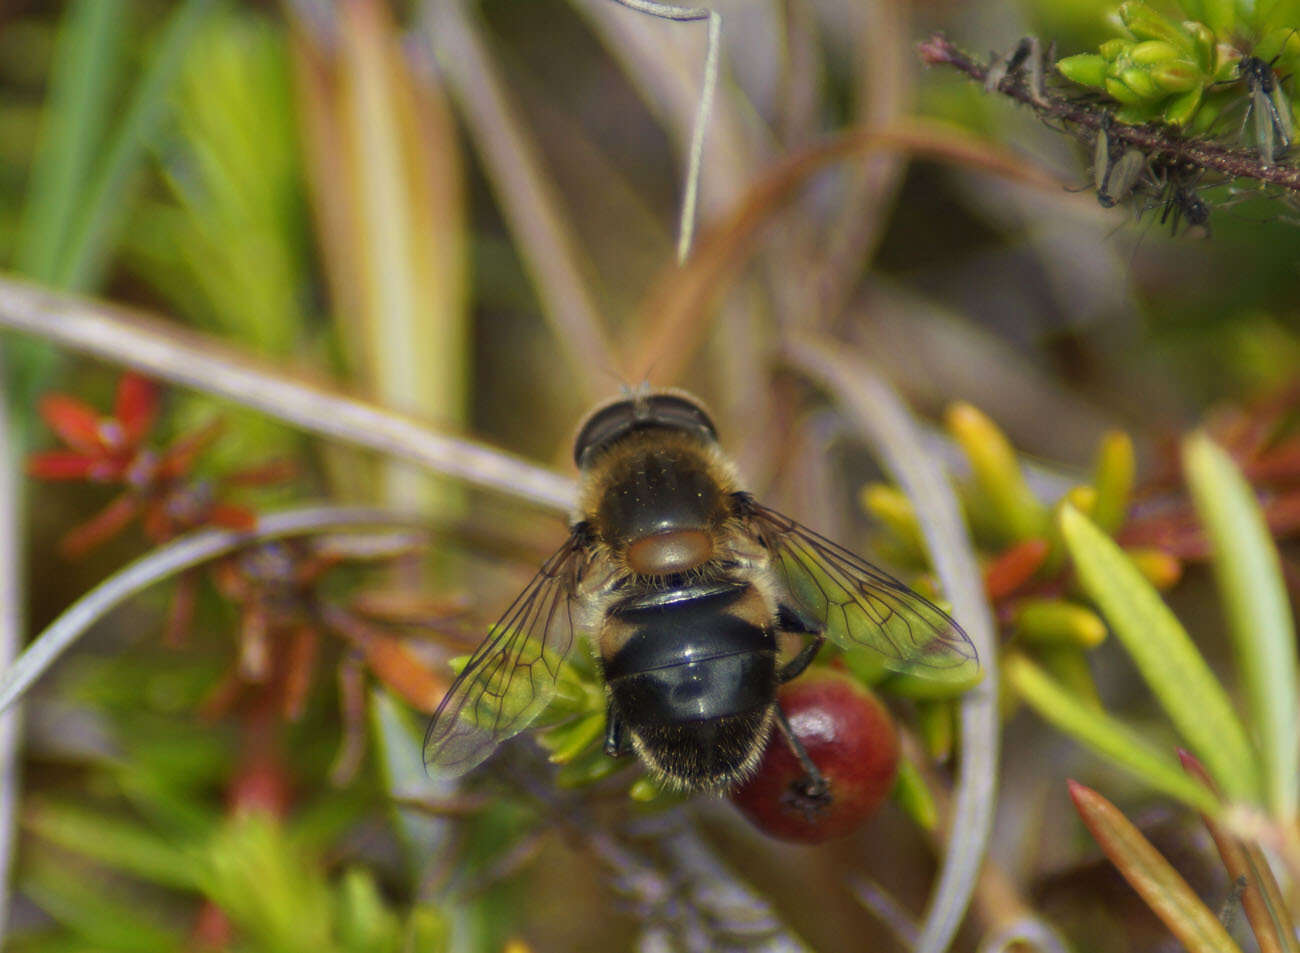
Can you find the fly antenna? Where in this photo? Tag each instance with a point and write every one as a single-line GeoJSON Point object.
{"type": "Point", "coordinates": [690, 194]}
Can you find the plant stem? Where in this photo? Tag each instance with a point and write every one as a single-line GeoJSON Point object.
{"type": "Point", "coordinates": [13, 602]}
{"type": "Point", "coordinates": [165, 562]}
{"type": "Point", "coordinates": [1151, 139]}
{"type": "Point", "coordinates": [886, 425]}
{"type": "Point", "coordinates": [193, 360]}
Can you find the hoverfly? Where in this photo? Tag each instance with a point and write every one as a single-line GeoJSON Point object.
{"type": "Point", "coordinates": [682, 582]}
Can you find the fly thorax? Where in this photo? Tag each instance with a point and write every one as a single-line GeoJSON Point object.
{"type": "Point", "coordinates": [661, 508]}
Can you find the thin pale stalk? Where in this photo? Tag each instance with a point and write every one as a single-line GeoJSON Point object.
{"type": "Point", "coordinates": [525, 195]}
{"type": "Point", "coordinates": [672, 324]}
{"type": "Point", "coordinates": [1030, 934]}
{"type": "Point", "coordinates": [887, 910]}
{"type": "Point", "coordinates": [726, 912]}
{"type": "Point", "coordinates": [166, 562]}
{"type": "Point", "coordinates": [193, 360]}
{"type": "Point", "coordinates": [12, 612]}
{"type": "Point", "coordinates": [886, 424]}
{"type": "Point", "coordinates": [704, 109]}
{"type": "Point", "coordinates": [407, 245]}
{"type": "Point", "coordinates": [665, 73]}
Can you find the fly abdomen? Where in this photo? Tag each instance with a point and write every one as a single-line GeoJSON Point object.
{"type": "Point", "coordinates": [727, 670]}
{"type": "Point", "coordinates": [693, 648]}
{"type": "Point", "coordinates": [693, 680]}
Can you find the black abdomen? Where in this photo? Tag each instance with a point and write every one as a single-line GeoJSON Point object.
{"type": "Point", "coordinates": [694, 683]}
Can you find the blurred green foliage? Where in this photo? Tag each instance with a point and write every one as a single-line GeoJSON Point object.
{"type": "Point", "coordinates": [164, 155]}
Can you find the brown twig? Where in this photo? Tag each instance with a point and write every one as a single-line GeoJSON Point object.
{"type": "Point", "coordinates": [938, 50]}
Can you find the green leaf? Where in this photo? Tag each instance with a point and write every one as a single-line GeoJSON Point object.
{"type": "Point", "coordinates": [1160, 647]}
{"type": "Point", "coordinates": [118, 844]}
{"type": "Point", "coordinates": [268, 887]}
{"type": "Point", "coordinates": [399, 742]}
{"type": "Point", "coordinates": [1219, 15]}
{"type": "Point", "coordinates": [1163, 889]}
{"type": "Point", "coordinates": [365, 924]}
{"type": "Point", "coordinates": [88, 909]}
{"type": "Point", "coordinates": [84, 75]}
{"type": "Point", "coordinates": [1086, 69]}
{"type": "Point", "coordinates": [1112, 476]}
{"type": "Point", "coordinates": [1058, 622]}
{"type": "Point", "coordinates": [913, 795]}
{"type": "Point", "coordinates": [427, 931]}
{"type": "Point", "coordinates": [1258, 613]}
{"type": "Point", "coordinates": [89, 242]}
{"type": "Point", "coordinates": [998, 477]}
{"type": "Point", "coordinates": [1104, 734]}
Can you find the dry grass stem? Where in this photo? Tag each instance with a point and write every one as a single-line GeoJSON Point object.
{"type": "Point", "coordinates": [193, 360]}
{"type": "Point", "coordinates": [525, 193]}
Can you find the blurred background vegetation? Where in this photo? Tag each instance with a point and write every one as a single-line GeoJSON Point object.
{"type": "Point", "coordinates": [467, 212]}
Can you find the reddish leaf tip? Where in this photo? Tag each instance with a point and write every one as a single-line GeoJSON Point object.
{"type": "Point", "coordinates": [1079, 792]}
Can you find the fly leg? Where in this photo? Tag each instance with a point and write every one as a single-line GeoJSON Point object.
{"type": "Point", "coordinates": [616, 740]}
{"type": "Point", "coordinates": [794, 668]}
{"type": "Point", "coordinates": [790, 619]}
{"type": "Point", "coordinates": [811, 794]}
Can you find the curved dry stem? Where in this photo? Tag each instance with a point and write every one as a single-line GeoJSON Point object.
{"type": "Point", "coordinates": [673, 313]}
{"type": "Point", "coordinates": [194, 360]}
{"type": "Point", "coordinates": [1030, 934]}
{"type": "Point", "coordinates": [887, 426]}
{"type": "Point", "coordinates": [690, 194]}
{"type": "Point", "coordinates": [167, 561]}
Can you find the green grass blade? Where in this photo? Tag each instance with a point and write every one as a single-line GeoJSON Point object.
{"type": "Point", "coordinates": [83, 77]}
{"type": "Point", "coordinates": [1168, 660]}
{"type": "Point", "coordinates": [399, 745]}
{"type": "Point", "coordinates": [1258, 613]}
{"type": "Point", "coordinates": [124, 846]}
{"type": "Point", "coordinates": [1104, 734]}
{"type": "Point", "coordinates": [86, 252]}
{"type": "Point", "coordinates": [89, 908]}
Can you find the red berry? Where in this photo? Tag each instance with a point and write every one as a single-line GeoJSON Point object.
{"type": "Point", "coordinates": [851, 738]}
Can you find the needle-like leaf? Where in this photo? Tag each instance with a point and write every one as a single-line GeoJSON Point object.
{"type": "Point", "coordinates": [1165, 655]}
{"type": "Point", "coordinates": [1162, 887]}
{"type": "Point", "coordinates": [1259, 614]}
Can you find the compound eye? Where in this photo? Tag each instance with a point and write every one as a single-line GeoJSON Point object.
{"type": "Point", "coordinates": [604, 426]}
{"type": "Point", "coordinates": [610, 423]}
{"type": "Point", "coordinates": [674, 410]}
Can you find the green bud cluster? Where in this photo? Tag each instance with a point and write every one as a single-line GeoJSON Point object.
{"type": "Point", "coordinates": [1185, 72]}
{"type": "Point", "coordinates": [1161, 71]}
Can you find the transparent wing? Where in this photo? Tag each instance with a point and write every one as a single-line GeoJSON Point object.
{"type": "Point", "coordinates": [862, 605]}
{"type": "Point", "coordinates": [511, 676]}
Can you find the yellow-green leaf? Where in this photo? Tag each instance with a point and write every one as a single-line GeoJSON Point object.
{"type": "Point", "coordinates": [1168, 660]}
{"type": "Point", "coordinates": [1258, 612]}
{"type": "Point", "coordinates": [1104, 734]}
